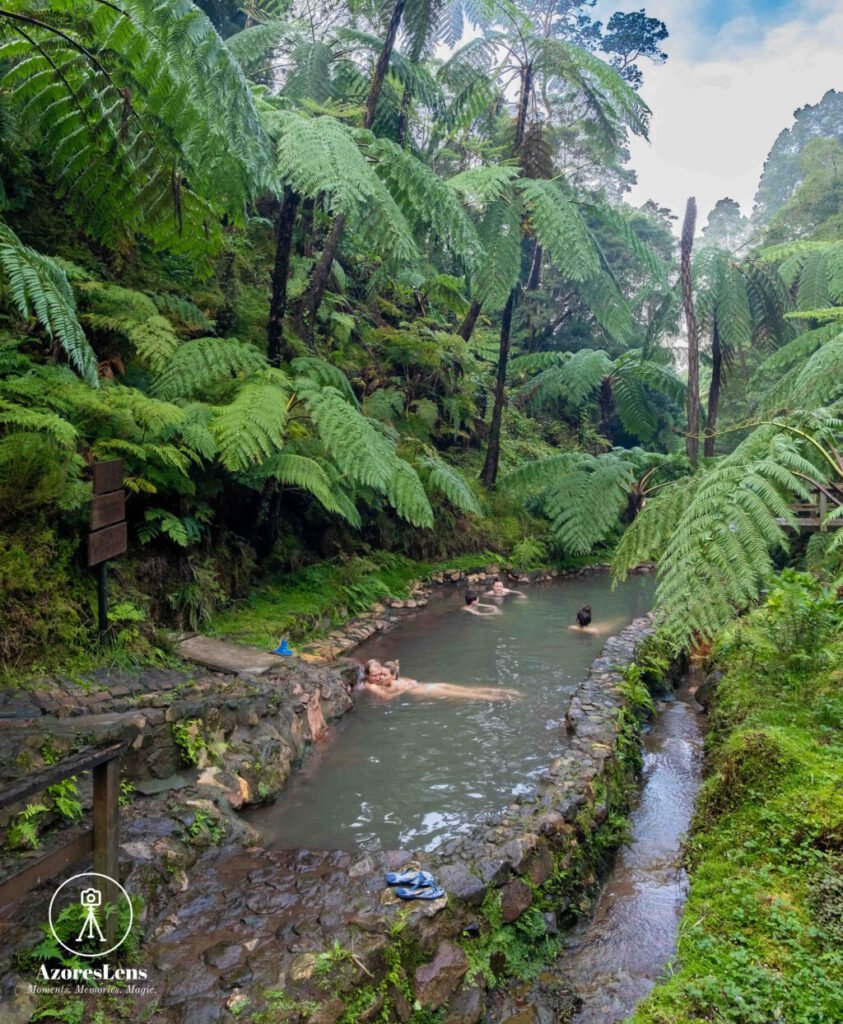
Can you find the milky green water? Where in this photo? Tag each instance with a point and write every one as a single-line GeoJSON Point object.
{"type": "Point", "coordinates": [409, 773]}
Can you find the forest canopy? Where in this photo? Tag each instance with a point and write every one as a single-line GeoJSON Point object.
{"type": "Point", "coordinates": [349, 276]}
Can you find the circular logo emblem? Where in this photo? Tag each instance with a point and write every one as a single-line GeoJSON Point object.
{"type": "Point", "coordinates": [88, 908]}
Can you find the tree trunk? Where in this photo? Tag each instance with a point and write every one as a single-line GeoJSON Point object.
{"type": "Point", "coordinates": [693, 403]}
{"type": "Point", "coordinates": [283, 247]}
{"type": "Point", "coordinates": [523, 102]}
{"type": "Point", "coordinates": [714, 390]}
{"type": "Point", "coordinates": [312, 298]}
{"type": "Point", "coordinates": [466, 328]}
{"type": "Point", "coordinates": [489, 475]}
{"type": "Point", "coordinates": [404, 117]}
{"type": "Point", "coordinates": [535, 275]}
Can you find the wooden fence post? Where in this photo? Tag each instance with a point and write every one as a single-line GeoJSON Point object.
{"type": "Point", "coordinates": [106, 837]}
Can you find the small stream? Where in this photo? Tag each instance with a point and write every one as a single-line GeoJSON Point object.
{"type": "Point", "coordinates": [615, 958]}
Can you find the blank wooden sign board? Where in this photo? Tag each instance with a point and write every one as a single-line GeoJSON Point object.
{"type": "Point", "coordinates": [108, 513]}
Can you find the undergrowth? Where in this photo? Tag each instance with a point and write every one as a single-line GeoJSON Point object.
{"type": "Point", "coordinates": [760, 938]}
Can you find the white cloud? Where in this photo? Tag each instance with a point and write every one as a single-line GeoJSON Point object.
{"type": "Point", "coordinates": [716, 116]}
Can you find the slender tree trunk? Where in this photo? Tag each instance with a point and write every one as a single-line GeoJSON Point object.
{"type": "Point", "coordinates": [466, 328]}
{"type": "Point", "coordinates": [283, 248]}
{"type": "Point", "coordinates": [307, 227]}
{"type": "Point", "coordinates": [489, 475]}
{"type": "Point", "coordinates": [312, 298]}
{"type": "Point", "coordinates": [714, 390]}
{"type": "Point", "coordinates": [523, 102]}
{"type": "Point", "coordinates": [693, 402]}
{"type": "Point", "coordinates": [404, 117]}
{"type": "Point", "coordinates": [535, 275]}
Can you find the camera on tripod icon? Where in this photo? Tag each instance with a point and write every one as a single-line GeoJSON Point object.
{"type": "Point", "coordinates": [90, 898]}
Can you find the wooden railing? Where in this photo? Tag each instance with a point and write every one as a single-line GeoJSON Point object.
{"type": "Point", "coordinates": [811, 514]}
{"type": "Point", "coordinates": [101, 841]}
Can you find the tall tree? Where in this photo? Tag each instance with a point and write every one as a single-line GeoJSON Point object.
{"type": "Point", "coordinates": [693, 394]}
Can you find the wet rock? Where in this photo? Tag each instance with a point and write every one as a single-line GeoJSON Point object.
{"type": "Point", "coordinates": [459, 882]}
{"type": "Point", "coordinates": [187, 982]}
{"type": "Point", "coordinates": [492, 871]}
{"type": "Point", "coordinates": [437, 980]}
{"type": "Point", "coordinates": [527, 1015]}
{"type": "Point", "coordinates": [223, 956]}
{"type": "Point", "coordinates": [328, 1013]}
{"type": "Point", "coordinates": [466, 1007]}
{"type": "Point", "coordinates": [202, 1011]}
{"type": "Point", "coordinates": [517, 896]}
{"type": "Point", "coordinates": [705, 691]}
{"type": "Point", "coordinates": [540, 865]}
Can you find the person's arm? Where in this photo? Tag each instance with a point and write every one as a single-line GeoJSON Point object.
{"type": "Point", "coordinates": [487, 609]}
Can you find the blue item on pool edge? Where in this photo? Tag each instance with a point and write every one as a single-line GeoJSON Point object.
{"type": "Point", "coordinates": [283, 648]}
{"type": "Point", "coordinates": [420, 892]}
{"type": "Point", "coordinates": [411, 878]}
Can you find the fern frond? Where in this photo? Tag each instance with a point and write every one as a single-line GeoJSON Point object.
{"type": "Point", "coordinates": [561, 229]}
{"type": "Point", "coordinates": [252, 426]}
{"type": "Point", "coordinates": [362, 453]}
{"type": "Point", "coordinates": [447, 480]}
{"type": "Point", "coordinates": [500, 263]}
{"type": "Point", "coordinates": [300, 471]}
{"type": "Point", "coordinates": [39, 286]}
{"type": "Point", "coordinates": [585, 503]}
{"type": "Point", "coordinates": [195, 367]}
{"type": "Point", "coordinates": [319, 157]}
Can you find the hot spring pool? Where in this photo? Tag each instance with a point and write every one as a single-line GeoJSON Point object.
{"type": "Point", "coordinates": [414, 771]}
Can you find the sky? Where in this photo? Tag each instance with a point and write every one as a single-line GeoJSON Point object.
{"type": "Point", "coordinates": [735, 74]}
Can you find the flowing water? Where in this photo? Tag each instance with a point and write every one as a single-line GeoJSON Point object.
{"type": "Point", "coordinates": [419, 769]}
{"type": "Point", "coordinates": [615, 958]}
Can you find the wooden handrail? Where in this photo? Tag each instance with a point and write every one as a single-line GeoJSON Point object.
{"type": "Point", "coordinates": [81, 762]}
{"type": "Point", "coordinates": [102, 840]}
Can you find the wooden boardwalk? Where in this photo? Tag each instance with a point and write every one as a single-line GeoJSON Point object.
{"type": "Point", "coordinates": [811, 514]}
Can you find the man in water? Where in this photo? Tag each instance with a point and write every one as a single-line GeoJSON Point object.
{"type": "Point", "coordinates": [584, 616]}
{"type": "Point", "coordinates": [499, 590]}
{"type": "Point", "coordinates": [473, 605]}
{"type": "Point", "coordinates": [386, 682]}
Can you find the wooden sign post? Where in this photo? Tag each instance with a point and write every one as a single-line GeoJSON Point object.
{"type": "Point", "coordinates": [107, 538]}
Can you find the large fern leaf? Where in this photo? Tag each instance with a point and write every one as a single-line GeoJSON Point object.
{"type": "Point", "coordinates": [39, 286]}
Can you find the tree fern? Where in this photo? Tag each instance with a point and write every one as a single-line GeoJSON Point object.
{"type": "Point", "coordinates": [306, 473]}
{"type": "Point", "coordinates": [560, 228]}
{"type": "Point", "coordinates": [448, 481]}
{"type": "Point", "coordinates": [362, 453]}
{"type": "Point", "coordinates": [39, 286]}
{"type": "Point", "coordinates": [319, 157]}
{"type": "Point", "coordinates": [427, 201]}
{"type": "Point", "coordinates": [407, 495]}
{"type": "Point", "coordinates": [143, 117]}
{"type": "Point", "coordinates": [252, 426]}
{"type": "Point", "coordinates": [204, 364]}
{"type": "Point", "coordinates": [718, 554]}
{"type": "Point", "coordinates": [498, 268]}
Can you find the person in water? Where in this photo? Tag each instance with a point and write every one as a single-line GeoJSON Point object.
{"type": "Point", "coordinates": [584, 616]}
{"type": "Point", "coordinates": [386, 682]}
{"type": "Point", "coordinates": [473, 605]}
{"type": "Point", "coordinates": [499, 590]}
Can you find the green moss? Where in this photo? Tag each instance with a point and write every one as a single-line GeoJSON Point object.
{"type": "Point", "coordinates": [760, 938]}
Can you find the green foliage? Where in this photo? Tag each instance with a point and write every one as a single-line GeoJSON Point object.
{"type": "Point", "coordinates": [23, 830]}
{"type": "Point", "coordinates": [714, 537]}
{"type": "Point", "coordinates": [40, 286]}
{"type": "Point", "coordinates": [64, 799]}
{"type": "Point", "coordinates": [190, 739]}
{"type": "Point", "coordinates": [759, 938]}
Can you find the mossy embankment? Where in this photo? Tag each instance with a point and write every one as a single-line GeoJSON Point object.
{"type": "Point", "coordinates": [761, 938]}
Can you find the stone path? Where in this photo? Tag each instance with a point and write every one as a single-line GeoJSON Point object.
{"type": "Point", "coordinates": [224, 656]}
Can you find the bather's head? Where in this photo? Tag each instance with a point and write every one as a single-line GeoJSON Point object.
{"type": "Point", "coordinates": [376, 673]}
{"type": "Point", "coordinates": [498, 589]}
{"type": "Point", "coordinates": [471, 598]}
{"type": "Point", "coordinates": [393, 668]}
